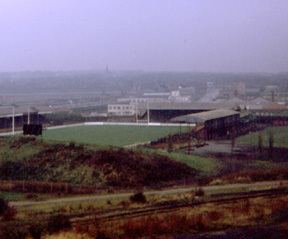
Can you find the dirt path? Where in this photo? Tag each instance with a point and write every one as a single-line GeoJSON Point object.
{"type": "Point", "coordinates": [223, 146]}
{"type": "Point", "coordinates": [207, 189]}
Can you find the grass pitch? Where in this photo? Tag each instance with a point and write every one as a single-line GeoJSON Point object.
{"type": "Point", "coordinates": [106, 135]}
{"type": "Point", "coordinates": [280, 137]}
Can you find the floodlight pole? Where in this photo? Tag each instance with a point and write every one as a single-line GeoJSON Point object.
{"type": "Point", "coordinates": [148, 113]}
{"type": "Point", "coordinates": [13, 120]}
{"type": "Point", "coordinates": [28, 116]}
{"type": "Point", "coordinates": [13, 116]}
{"type": "Point", "coordinates": [136, 111]}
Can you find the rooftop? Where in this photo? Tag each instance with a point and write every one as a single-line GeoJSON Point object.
{"type": "Point", "coordinates": [205, 116]}
{"type": "Point", "coordinates": [186, 106]}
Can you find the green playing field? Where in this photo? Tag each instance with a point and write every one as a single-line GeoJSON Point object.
{"type": "Point", "coordinates": [115, 135]}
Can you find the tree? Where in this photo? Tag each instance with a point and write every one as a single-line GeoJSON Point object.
{"type": "Point", "coordinates": [271, 143]}
{"type": "Point", "coordinates": [260, 142]}
{"type": "Point", "coordinates": [233, 139]}
{"type": "Point", "coordinates": [13, 230]}
{"type": "Point", "coordinates": [138, 198]}
{"type": "Point", "coordinates": [7, 212]}
{"type": "Point", "coordinates": [271, 139]}
{"type": "Point", "coordinates": [3, 206]}
{"type": "Point", "coordinates": [36, 229]}
{"type": "Point", "coordinates": [189, 146]}
{"type": "Point", "coordinates": [170, 144]}
{"type": "Point", "coordinates": [58, 222]}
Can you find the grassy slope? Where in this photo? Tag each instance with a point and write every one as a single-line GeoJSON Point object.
{"type": "Point", "coordinates": [79, 165]}
{"type": "Point", "coordinates": [205, 166]}
{"type": "Point", "coordinates": [11, 196]}
{"type": "Point", "coordinates": [83, 173]}
{"type": "Point", "coordinates": [280, 136]}
{"type": "Point", "coordinates": [9, 151]}
{"type": "Point", "coordinates": [110, 135]}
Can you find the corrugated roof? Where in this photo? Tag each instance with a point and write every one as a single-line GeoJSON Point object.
{"type": "Point", "coordinates": [186, 106]}
{"type": "Point", "coordinates": [236, 100]}
{"type": "Point", "coordinates": [274, 106]}
{"type": "Point", "coordinates": [205, 116]}
{"type": "Point", "coordinates": [258, 101]}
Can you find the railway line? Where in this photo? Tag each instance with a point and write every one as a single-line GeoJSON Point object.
{"type": "Point", "coordinates": [174, 205]}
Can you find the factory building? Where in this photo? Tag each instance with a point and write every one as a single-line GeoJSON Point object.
{"type": "Point", "coordinates": [21, 119]}
{"type": "Point", "coordinates": [212, 124]}
{"type": "Point", "coordinates": [164, 112]}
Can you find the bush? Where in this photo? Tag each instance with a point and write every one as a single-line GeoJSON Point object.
{"type": "Point", "coordinates": [138, 198]}
{"type": "Point", "coordinates": [14, 231]}
{"type": "Point", "coordinates": [3, 206]}
{"type": "Point", "coordinates": [7, 212]}
{"type": "Point", "coordinates": [102, 235]}
{"type": "Point", "coordinates": [58, 222]}
{"type": "Point", "coordinates": [199, 192]}
{"type": "Point", "coordinates": [31, 196]}
{"type": "Point", "coordinates": [36, 230]}
{"type": "Point", "coordinates": [281, 215]}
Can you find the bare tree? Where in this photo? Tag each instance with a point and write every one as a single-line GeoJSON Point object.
{"type": "Point", "coordinates": [189, 146]}
{"type": "Point", "coordinates": [271, 143]}
{"type": "Point", "coordinates": [170, 144]}
{"type": "Point", "coordinates": [260, 142]}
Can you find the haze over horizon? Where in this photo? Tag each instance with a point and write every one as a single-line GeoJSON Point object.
{"type": "Point", "coordinates": [182, 35]}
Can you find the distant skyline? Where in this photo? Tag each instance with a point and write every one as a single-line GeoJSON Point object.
{"type": "Point", "coordinates": [147, 35]}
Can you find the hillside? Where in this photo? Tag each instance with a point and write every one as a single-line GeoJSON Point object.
{"type": "Point", "coordinates": [78, 165]}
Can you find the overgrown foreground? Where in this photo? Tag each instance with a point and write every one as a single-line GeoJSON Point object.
{"type": "Point", "coordinates": [77, 165]}
{"type": "Point", "coordinates": [195, 213]}
{"type": "Point", "coordinates": [261, 217]}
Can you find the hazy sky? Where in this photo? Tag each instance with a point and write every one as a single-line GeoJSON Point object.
{"type": "Point", "coordinates": [151, 35]}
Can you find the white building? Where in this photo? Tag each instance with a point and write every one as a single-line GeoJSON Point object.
{"type": "Point", "coordinates": [121, 109]}
{"type": "Point", "coordinates": [134, 100]}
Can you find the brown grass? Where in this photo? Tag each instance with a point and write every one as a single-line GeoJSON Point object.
{"type": "Point", "coordinates": [68, 235]}
{"type": "Point", "coordinates": [209, 217]}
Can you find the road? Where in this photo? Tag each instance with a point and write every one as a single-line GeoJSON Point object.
{"type": "Point", "coordinates": [208, 190]}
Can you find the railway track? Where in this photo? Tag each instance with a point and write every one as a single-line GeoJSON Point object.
{"type": "Point", "coordinates": [170, 206]}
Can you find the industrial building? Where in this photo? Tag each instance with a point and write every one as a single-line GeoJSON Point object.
{"type": "Point", "coordinates": [212, 124]}
{"type": "Point", "coordinates": [6, 121]}
{"type": "Point", "coordinates": [164, 112]}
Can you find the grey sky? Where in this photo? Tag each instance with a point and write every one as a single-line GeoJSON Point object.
{"type": "Point", "coordinates": [152, 35]}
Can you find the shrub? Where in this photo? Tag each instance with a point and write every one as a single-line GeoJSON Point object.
{"type": "Point", "coordinates": [102, 235]}
{"type": "Point", "coordinates": [199, 192]}
{"type": "Point", "coordinates": [170, 144]}
{"type": "Point", "coordinates": [14, 231]}
{"type": "Point", "coordinates": [31, 196]}
{"type": "Point", "coordinates": [3, 206]}
{"type": "Point", "coordinates": [7, 212]}
{"type": "Point", "coordinates": [138, 198]}
{"type": "Point", "coordinates": [36, 230]}
{"type": "Point", "coordinates": [260, 142]}
{"type": "Point", "coordinates": [57, 223]}
{"type": "Point", "coordinates": [280, 215]}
